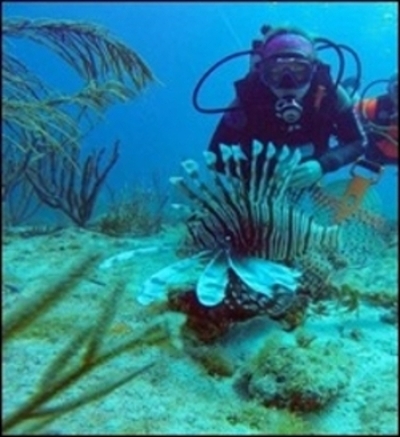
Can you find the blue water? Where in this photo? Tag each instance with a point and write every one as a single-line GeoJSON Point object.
{"type": "Point", "coordinates": [179, 41]}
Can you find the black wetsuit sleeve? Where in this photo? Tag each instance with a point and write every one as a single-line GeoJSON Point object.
{"type": "Point", "coordinates": [224, 134]}
{"type": "Point", "coordinates": [232, 132]}
{"type": "Point", "coordinates": [350, 136]}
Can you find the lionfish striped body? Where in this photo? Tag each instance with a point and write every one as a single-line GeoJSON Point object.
{"type": "Point", "coordinates": [251, 237]}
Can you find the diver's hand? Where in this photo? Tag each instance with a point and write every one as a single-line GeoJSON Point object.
{"type": "Point", "coordinates": [306, 174]}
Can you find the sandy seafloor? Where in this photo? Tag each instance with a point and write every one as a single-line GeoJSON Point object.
{"type": "Point", "coordinates": [176, 395]}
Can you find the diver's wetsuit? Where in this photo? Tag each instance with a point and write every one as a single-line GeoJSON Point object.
{"type": "Point", "coordinates": [326, 113]}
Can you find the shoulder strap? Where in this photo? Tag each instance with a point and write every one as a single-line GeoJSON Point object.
{"type": "Point", "coordinates": [323, 88]}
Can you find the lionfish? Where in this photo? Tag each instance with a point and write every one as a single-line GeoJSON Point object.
{"type": "Point", "coordinates": [252, 239]}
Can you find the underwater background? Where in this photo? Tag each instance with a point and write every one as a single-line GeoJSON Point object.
{"type": "Point", "coordinates": [83, 353]}
{"type": "Point", "coordinates": [179, 42]}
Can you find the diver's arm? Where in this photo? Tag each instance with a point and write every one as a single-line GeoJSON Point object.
{"type": "Point", "coordinates": [350, 135]}
{"type": "Point", "coordinates": [231, 130]}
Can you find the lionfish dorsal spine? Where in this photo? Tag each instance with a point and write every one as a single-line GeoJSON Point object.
{"type": "Point", "coordinates": [207, 204]}
{"type": "Point", "coordinates": [233, 210]}
{"type": "Point", "coordinates": [269, 153]}
{"type": "Point", "coordinates": [232, 183]}
{"type": "Point", "coordinates": [257, 148]}
{"type": "Point", "coordinates": [238, 156]}
{"type": "Point", "coordinates": [286, 162]}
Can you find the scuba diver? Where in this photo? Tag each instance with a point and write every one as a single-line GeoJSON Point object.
{"type": "Point", "coordinates": [379, 116]}
{"type": "Point", "coordinates": [289, 98]}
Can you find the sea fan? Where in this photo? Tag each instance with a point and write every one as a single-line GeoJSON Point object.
{"type": "Point", "coordinates": [247, 232]}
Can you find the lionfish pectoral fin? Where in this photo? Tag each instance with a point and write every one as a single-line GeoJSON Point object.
{"type": "Point", "coordinates": [156, 286]}
{"type": "Point", "coordinates": [211, 286]}
{"type": "Point", "coordinates": [262, 275]}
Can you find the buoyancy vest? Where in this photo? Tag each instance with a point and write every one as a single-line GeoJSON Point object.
{"type": "Point", "coordinates": [381, 128]}
{"type": "Point", "coordinates": [315, 124]}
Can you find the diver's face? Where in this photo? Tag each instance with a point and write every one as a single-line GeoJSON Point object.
{"type": "Point", "coordinates": [287, 75]}
{"type": "Point", "coordinates": [295, 93]}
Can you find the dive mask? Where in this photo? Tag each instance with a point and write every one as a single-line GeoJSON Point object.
{"type": "Point", "coordinates": [286, 72]}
